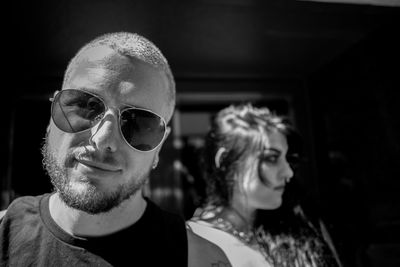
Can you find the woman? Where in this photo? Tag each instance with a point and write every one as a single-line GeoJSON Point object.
{"type": "Point", "coordinates": [247, 170]}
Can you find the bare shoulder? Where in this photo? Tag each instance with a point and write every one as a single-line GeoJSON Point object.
{"type": "Point", "coordinates": [2, 213]}
{"type": "Point", "coordinates": [204, 253]}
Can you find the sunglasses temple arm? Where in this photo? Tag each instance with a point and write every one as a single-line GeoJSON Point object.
{"type": "Point", "coordinates": [66, 118]}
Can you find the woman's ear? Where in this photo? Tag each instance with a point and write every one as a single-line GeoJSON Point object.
{"type": "Point", "coordinates": [218, 156]}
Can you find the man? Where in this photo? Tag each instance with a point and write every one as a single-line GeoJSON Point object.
{"type": "Point", "coordinates": [108, 124]}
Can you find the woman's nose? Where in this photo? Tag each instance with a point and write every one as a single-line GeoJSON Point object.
{"type": "Point", "coordinates": [287, 171]}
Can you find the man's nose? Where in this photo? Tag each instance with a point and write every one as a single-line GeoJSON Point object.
{"type": "Point", "coordinates": [104, 136]}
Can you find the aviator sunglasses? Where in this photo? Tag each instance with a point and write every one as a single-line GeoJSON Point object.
{"type": "Point", "coordinates": [75, 111]}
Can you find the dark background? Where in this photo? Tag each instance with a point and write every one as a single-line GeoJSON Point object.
{"type": "Point", "coordinates": [333, 68]}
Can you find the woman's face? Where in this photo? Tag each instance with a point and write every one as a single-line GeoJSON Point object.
{"type": "Point", "coordinates": [267, 175]}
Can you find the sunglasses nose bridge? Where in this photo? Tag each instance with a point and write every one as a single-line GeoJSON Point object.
{"type": "Point", "coordinates": [106, 131]}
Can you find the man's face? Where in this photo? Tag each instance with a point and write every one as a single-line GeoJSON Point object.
{"type": "Point", "coordinates": [96, 170]}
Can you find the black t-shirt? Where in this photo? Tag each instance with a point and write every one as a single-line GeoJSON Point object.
{"type": "Point", "coordinates": [30, 237]}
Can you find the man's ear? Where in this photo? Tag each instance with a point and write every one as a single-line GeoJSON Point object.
{"type": "Point", "coordinates": [155, 161]}
{"type": "Point", "coordinates": [54, 95]}
{"type": "Point", "coordinates": [51, 99]}
{"type": "Point", "coordinates": [156, 156]}
{"type": "Point", "coordinates": [167, 132]}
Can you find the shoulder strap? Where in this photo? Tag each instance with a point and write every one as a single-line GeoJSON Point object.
{"type": "Point", "coordinates": [329, 241]}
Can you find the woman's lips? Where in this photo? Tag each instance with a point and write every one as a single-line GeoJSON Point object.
{"type": "Point", "coordinates": [279, 188]}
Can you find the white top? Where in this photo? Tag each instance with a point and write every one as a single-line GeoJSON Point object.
{"type": "Point", "coordinates": [238, 253]}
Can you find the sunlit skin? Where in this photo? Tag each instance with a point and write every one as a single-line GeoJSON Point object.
{"type": "Point", "coordinates": [263, 184]}
{"type": "Point", "coordinates": [100, 158]}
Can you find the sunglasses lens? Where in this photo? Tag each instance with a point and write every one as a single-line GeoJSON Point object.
{"type": "Point", "coordinates": [142, 129]}
{"type": "Point", "coordinates": [74, 110]}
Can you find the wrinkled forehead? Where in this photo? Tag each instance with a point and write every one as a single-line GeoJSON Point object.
{"type": "Point", "coordinates": [99, 57]}
{"type": "Point", "coordinates": [119, 78]}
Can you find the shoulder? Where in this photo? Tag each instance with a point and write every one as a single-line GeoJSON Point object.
{"type": "Point", "coordinates": [237, 252]}
{"type": "Point", "coordinates": [21, 206]}
{"type": "Point", "coordinates": [26, 202]}
{"type": "Point", "coordinates": [202, 252]}
{"type": "Point", "coordinates": [2, 213]}
{"type": "Point", "coordinates": [227, 242]}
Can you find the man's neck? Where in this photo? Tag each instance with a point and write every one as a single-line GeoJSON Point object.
{"type": "Point", "coordinates": [82, 224]}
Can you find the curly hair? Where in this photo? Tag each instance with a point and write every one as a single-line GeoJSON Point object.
{"type": "Point", "coordinates": [242, 132]}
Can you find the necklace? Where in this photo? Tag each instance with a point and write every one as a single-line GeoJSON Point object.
{"type": "Point", "coordinates": [226, 226]}
{"type": "Point", "coordinates": [218, 217]}
{"type": "Point", "coordinates": [250, 237]}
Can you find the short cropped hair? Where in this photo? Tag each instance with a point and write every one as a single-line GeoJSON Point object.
{"type": "Point", "coordinates": [241, 130]}
{"type": "Point", "coordinates": [131, 45]}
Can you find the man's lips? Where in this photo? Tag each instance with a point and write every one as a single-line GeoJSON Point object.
{"type": "Point", "coordinates": [98, 165]}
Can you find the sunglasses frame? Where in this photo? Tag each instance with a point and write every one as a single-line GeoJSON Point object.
{"type": "Point", "coordinates": [58, 92]}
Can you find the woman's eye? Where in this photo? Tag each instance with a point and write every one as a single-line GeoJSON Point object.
{"type": "Point", "coordinates": [270, 158]}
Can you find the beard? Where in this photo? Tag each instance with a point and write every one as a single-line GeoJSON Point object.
{"type": "Point", "coordinates": [88, 198]}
